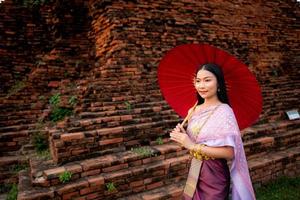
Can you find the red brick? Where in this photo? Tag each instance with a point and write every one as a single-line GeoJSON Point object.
{"type": "Point", "coordinates": [135, 163]}
{"type": "Point", "coordinates": [90, 190]}
{"type": "Point", "coordinates": [154, 185]}
{"type": "Point", "coordinates": [97, 195]}
{"type": "Point", "coordinates": [96, 181]}
{"type": "Point", "coordinates": [157, 108]}
{"type": "Point", "coordinates": [152, 159]}
{"type": "Point", "coordinates": [136, 183]}
{"type": "Point", "coordinates": [54, 84]}
{"type": "Point", "coordinates": [78, 151]}
{"type": "Point", "coordinates": [70, 195]}
{"type": "Point", "coordinates": [266, 140]}
{"type": "Point", "coordinates": [138, 189]}
{"type": "Point", "coordinates": [111, 141]}
{"type": "Point", "coordinates": [54, 173]}
{"type": "Point", "coordinates": [126, 117]}
{"type": "Point", "coordinates": [115, 168]}
{"type": "Point", "coordinates": [74, 168]}
{"type": "Point", "coordinates": [91, 172]}
{"type": "Point", "coordinates": [97, 163]}
{"type": "Point", "coordinates": [70, 187]}
{"type": "Point", "coordinates": [71, 136]}
{"type": "Point", "coordinates": [152, 196]}
{"type": "Point", "coordinates": [110, 131]}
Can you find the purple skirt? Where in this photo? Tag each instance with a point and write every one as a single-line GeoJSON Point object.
{"type": "Point", "coordinates": [214, 181]}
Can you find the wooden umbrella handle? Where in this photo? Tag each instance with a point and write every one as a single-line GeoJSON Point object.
{"type": "Point", "coordinates": [189, 115]}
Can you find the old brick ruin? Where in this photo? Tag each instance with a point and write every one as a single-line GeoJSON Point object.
{"type": "Point", "coordinates": [105, 53]}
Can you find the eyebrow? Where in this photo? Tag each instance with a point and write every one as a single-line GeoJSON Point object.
{"type": "Point", "coordinates": [204, 77]}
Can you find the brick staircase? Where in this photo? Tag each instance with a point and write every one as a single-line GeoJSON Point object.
{"type": "Point", "coordinates": [120, 112]}
{"type": "Point", "coordinates": [96, 147]}
{"type": "Point", "coordinates": [272, 148]}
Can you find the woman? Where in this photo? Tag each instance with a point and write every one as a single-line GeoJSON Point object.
{"type": "Point", "coordinates": [213, 137]}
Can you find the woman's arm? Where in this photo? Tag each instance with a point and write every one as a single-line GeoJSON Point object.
{"type": "Point", "coordinates": [178, 135]}
{"type": "Point", "coordinates": [226, 152]}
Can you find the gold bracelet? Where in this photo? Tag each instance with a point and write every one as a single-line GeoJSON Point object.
{"type": "Point", "coordinates": [197, 153]}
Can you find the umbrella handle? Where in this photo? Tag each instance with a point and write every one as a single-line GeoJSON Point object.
{"type": "Point", "coordinates": [189, 115]}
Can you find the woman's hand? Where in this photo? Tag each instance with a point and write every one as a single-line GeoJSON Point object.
{"type": "Point", "coordinates": [179, 135]}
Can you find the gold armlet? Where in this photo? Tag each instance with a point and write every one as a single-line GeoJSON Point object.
{"type": "Point", "coordinates": [197, 153]}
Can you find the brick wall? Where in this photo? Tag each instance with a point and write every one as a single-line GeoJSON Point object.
{"type": "Point", "coordinates": [264, 35]}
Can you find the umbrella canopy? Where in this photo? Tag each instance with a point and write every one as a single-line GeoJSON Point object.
{"type": "Point", "coordinates": [176, 73]}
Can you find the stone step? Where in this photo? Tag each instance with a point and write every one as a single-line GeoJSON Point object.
{"type": "Point", "coordinates": [155, 108]}
{"type": "Point", "coordinates": [262, 170]}
{"type": "Point", "coordinates": [9, 167]}
{"type": "Point", "coordinates": [170, 192]}
{"type": "Point", "coordinates": [16, 128]}
{"type": "Point", "coordinates": [274, 164]}
{"type": "Point", "coordinates": [14, 140]}
{"type": "Point", "coordinates": [128, 178]}
{"type": "Point", "coordinates": [117, 102]}
{"type": "Point", "coordinates": [16, 114]}
{"type": "Point", "coordinates": [135, 116]}
{"type": "Point", "coordinates": [268, 129]}
{"type": "Point", "coordinates": [69, 146]}
{"type": "Point", "coordinates": [99, 106]}
{"type": "Point", "coordinates": [279, 140]}
{"type": "Point", "coordinates": [45, 173]}
{"type": "Point", "coordinates": [16, 105]}
{"type": "Point", "coordinates": [20, 121]}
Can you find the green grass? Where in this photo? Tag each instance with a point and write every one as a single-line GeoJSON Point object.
{"type": "Point", "coordinates": [13, 193]}
{"type": "Point", "coordinates": [65, 177]}
{"type": "Point", "coordinates": [281, 189]}
{"type": "Point", "coordinates": [143, 151]}
{"type": "Point", "coordinates": [159, 141]}
{"type": "Point", "coordinates": [111, 187]}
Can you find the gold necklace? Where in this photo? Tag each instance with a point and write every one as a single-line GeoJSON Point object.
{"type": "Point", "coordinates": [196, 129]}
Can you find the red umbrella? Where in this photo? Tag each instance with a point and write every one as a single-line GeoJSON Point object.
{"type": "Point", "coordinates": [177, 69]}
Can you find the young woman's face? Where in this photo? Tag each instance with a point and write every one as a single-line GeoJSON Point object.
{"type": "Point", "coordinates": [206, 84]}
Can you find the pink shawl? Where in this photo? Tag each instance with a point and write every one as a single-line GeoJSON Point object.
{"type": "Point", "coordinates": [221, 129]}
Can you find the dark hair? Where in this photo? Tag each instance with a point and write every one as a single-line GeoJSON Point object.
{"type": "Point", "coordinates": [217, 71]}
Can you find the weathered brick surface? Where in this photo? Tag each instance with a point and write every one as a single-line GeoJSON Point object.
{"type": "Point", "coordinates": [112, 52]}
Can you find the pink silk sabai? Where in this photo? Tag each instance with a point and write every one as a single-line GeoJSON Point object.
{"type": "Point", "coordinates": [221, 129]}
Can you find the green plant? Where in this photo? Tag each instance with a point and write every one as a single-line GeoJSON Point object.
{"type": "Point", "coordinates": [72, 101]}
{"type": "Point", "coordinates": [65, 177]}
{"type": "Point", "coordinates": [19, 85]}
{"type": "Point", "coordinates": [13, 193]}
{"type": "Point", "coordinates": [31, 3]}
{"type": "Point", "coordinates": [159, 141]}
{"type": "Point", "coordinates": [41, 98]}
{"type": "Point", "coordinates": [58, 114]}
{"type": "Point", "coordinates": [72, 85]}
{"type": "Point", "coordinates": [280, 189]}
{"type": "Point", "coordinates": [128, 106]}
{"type": "Point", "coordinates": [55, 100]}
{"type": "Point", "coordinates": [66, 74]}
{"type": "Point", "coordinates": [143, 151]}
{"type": "Point", "coordinates": [40, 124]}
{"type": "Point", "coordinates": [45, 154]}
{"type": "Point", "coordinates": [40, 141]}
{"type": "Point", "coordinates": [17, 167]}
{"type": "Point", "coordinates": [110, 187]}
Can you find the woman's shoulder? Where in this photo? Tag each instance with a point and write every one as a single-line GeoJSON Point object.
{"type": "Point", "coordinates": [224, 107]}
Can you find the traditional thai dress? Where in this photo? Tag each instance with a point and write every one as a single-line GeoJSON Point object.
{"type": "Point", "coordinates": [216, 126]}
